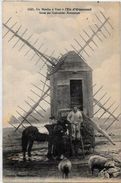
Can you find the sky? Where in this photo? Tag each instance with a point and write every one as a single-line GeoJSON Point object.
{"type": "Point", "coordinates": [57, 32]}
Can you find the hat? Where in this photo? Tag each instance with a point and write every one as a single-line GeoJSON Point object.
{"type": "Point", "coordinates": [52, 117]}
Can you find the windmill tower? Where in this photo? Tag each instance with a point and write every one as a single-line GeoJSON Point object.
{"type": "Point", "coordinates": [71, 86]}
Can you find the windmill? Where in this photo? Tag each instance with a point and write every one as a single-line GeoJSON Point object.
{"type": "Point", "coordinates": [99, 31]}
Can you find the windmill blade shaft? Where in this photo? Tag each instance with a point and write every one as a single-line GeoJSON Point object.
{"type": "Point", "coordinates": [93, 35]}
{"type": "Point", "coordinates": [9, 30]}
{"type": "Point", "coordinates": [30, 114]}
{"type": "Point", "coordinates": [103, 26]}
{"type": "Point", "coordinates": [96, 34]}
{"type": "Point", "coordinates": [35, 53]}
{"type": "Point", "coordinates": [38, 105]}
{"type": "Point", "coordinates": [105, 18]}
{"type": "Point", "coordinates": [19, 39]}
{"type": "Point", "coordinates": [29, 45]}
{"type": "Point", "coordinates": [39, 96]}
{"type": "Point", "coordinates": [24, 119]}
{"type": "Point", "coordinates": [81, 47]}
{"type": "Point", "coordinates": [34, 109]}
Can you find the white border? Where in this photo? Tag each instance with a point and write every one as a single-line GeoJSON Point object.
{"type": "Point", "coordinates": [1, 92]}
{"type": "Point", "coordinates": [1, 180]}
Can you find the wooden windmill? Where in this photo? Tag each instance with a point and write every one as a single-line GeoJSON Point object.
{"type": "Point", "coordinates": [62, 82]}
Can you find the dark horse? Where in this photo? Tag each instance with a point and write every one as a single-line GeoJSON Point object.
{"type": "Point", "coordinates": [29, 135]}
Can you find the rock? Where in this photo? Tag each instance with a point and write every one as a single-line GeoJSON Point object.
{"type": "Point", "coordinates": [103, 174]}
{"type": "Point", "coordinates": [114, 172]}
{"type": "Point", "coordinates": [109, 164]}
{"type": "Point", "coordinates": [117, 159]}
{"type": "Point", "coordinates": [21, 174]}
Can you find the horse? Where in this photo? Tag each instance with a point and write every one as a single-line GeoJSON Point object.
{"type": "Point", "coordinates": [29, 135]}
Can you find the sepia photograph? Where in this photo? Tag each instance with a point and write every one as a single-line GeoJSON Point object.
{"type": "Point", "coordinates": [61, 91]}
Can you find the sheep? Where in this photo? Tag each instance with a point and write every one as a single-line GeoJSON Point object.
{"type": "Point", "coordinates": [65, 167]}
{"type": "Point", "coordinates": [97, 162]}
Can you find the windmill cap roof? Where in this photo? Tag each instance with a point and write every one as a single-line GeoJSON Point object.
{"type": "Point", "coordinates": [72, 56]}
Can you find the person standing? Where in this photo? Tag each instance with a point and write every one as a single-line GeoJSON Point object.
{"type": "Point", "coordinates": [75, 118]}
{"type": "Point", "coordinates": [50, 128]}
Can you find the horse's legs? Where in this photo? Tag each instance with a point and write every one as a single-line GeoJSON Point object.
{"type": "Point", "coordinates": [24, 146]}
{"type": "Point", "coordinates": [30, 148]}
{"type": "Point", "coordinates": [50, 149]}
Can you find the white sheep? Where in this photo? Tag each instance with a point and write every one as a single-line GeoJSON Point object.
{"type": "Point", "coordinates": [65, 167]}
{"type": "Point", "coordinates": [97, 162]}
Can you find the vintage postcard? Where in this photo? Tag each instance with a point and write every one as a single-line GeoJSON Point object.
{"type": "Point", "coordinates": [61, 91]}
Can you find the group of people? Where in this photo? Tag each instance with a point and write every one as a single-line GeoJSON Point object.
{"type": "Point", "coordinates": [64, 133]}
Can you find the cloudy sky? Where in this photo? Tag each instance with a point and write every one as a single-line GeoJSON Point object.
{"type": "Point", "coordinates": [57, 32]}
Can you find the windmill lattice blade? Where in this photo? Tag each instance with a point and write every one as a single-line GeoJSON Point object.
{"type": "Point", "coordinates": [30, 45]}
{"type": "Point", "coordinates": [38, 49]}
{"type": "Point", "coordinates": [39, 88]}
{"type": "Point", "coordinates": [100, 31]}
{"type": "Point", "coordinates": [12, 125]}
{"type": "Point", "coordinates": [100, 99]}
{"type": "Point", "coordinates": [8, 20]}
{"type": "Point", "coordinates": [90, 39]}
{"type": "Point", "coordinates": [33, 107]}
{"type": "Point", "coordinates": [98, 91]}
{"type": "Point", "coordinates": [25, 119]}
{"type": "Point", "coordinates": [24, 43]}
{"type": "Point", "coordinates": [110, 114]}
{"type": "Point", "coordinates": [94, 34]}
{"type": "Point", "coordinates": [77, 52]}
{"type": "Point", "coordinates": [81, 47]}
{"type": "Point", "coordinates": [38, 104]}
{"type": "Point", "coordinates": [26, 112]}
{"type": "Point", "coordinates": [45, 84]}
{"type": "Point", "coordinates": [30, 48]}
{"type": "Point", "coordinates": [105, 109]}
{"type": "Point", "coordinates": [19, 39]}
{"type": "Point", "coordinates": [113, 121]}
{"type": "Point", "coordinates": [40, 58]}
{"type": "Point", "coordinates": [105, 18]}
{"type": "Point", "coordinates": [102, 104]}
{"type": "Point", "coordinates": [103, 26]}
{"type": "Point", "coordinates": [18, 120]}
{"type": "Point", "coordinates": [40, 96]}
{"type": "Point", "coordinates": [9, 30]}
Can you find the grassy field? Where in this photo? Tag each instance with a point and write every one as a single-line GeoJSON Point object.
{"type": "Point", "coordinates": [40, 166]}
